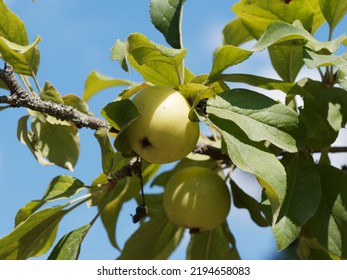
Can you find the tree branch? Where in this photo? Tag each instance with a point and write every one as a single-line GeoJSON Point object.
{"type": "Point", "coordinates": [20, 98]}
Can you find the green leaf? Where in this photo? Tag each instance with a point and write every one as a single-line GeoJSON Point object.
{"type": "Point", "coordinates": [258, 14]}
{"type": "Point", "coordinates": [227, 56]}
{"type": "Point", "coordinates": [243, 200]}
{"type": "Point", "coordinates": [260, 117]}
{"type": "Point", "coordinates": [76, 102]}
{"type": "Point", "coordinates": [24, 59]}
{"type": "Point", "coordinates": [333, 11]}
{"type": "Point", "coordinates": [68, 247]}
{"type": "Point", "coordinates": [107, 151]}
{"type": "Point", "coordinates": [287, 59]}
{"type": "Point", "coordinates": [130, 91]}
{"type": "Point", "coordinates": [194, 93]}
{"type": "Point", "coordinates": [63, 186]}
{"type": "Point", "coordinates": [156, 63]}
{"type": "Point", "coordinates": [329, 225]}
{"type": "Point", "coordinates": [300, 203]}
{"type": "Point", "coordinates": [289, 88]}
{"type": "Point", "coordinates": [166, 15]}
{"type": "Point", "coordinates": [318, 133]}
{"type": "Point", "coordinates": [154, 240]}
{"type": "Point", "coordinates": [97, 82]}
{"type": "Point", "coordinates": [34, 236]}
{"type": "Point", "coordinates": [328, 103]}
{"type": "Point", "coordinates": [110, 204]}
{"type": "Point", "coordinates": [24, 212]}
{"type": "Point", "coordinates": [120, 113]}
{"type": "Point", "coordinates": [49, 93]}
{"type": "Point", "coordinates": [314, 60]}
{"type": "Point", "coordinates": [216, 244]}
{"type": "Point", "coordinates": [3, 85]}
{"type": "Point", "coordinates": [310, 249]}
{"type": "Point", "coordinates": [234, 33]}
{"type": "Point", "coordinates": [250, 157]}
{"type": "Point", "coordinates": [49, 138]}
{"type": "Point", "coordinates": [119, 52]}
{"type": "Point", "coordinates": [12, 28]}
{"type": "Point", "coordinates": [279, 32]}
{"type": "Point", "coordinates": [28, 138]}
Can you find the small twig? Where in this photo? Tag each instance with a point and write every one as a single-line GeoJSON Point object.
{"type": "Point", "coordinates": [141, 210]}
{"type": "Point", "coordinates": [334, 150]}
{"type": "Point", "coordinates": [213, 152]}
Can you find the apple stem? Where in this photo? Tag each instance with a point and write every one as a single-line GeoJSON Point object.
{"type": "Point", "coordinates": [141, 211]}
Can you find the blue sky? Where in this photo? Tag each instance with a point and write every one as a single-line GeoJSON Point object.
{"type": "Point", "coordinates": [77, 38]}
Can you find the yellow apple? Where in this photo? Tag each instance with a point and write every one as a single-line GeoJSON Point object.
{"type": "Point", "coordinates": [163, 132]}
{"type": "Point", "coordinates": [196, 198]}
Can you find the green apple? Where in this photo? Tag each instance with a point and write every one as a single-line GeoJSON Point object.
{"type": "Point", "coordinates": [163, 132]}
{"type": "Point", "coordinates": [196, 198]}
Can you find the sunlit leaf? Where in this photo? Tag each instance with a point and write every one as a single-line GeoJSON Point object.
{"type": "Point", "coordinates": [156, 63]}
{"type": "Point", "coordinates": [119, 53]}
{"type": "Point", "coordinates": [300, 203]}
{"type": "Point", "coordinates": [314, 60]}
{"type": "Point", "coordinates": [49, 93]}
{"type": "Point", "coordinates": [97, 82]}
{"type": "Point", "coordinates": [278, 32]}
{"type": "Point", "coordinates": [289, 88]}
{"type": "Point", "coordinates": [75, 101]}
{"type": "Point", "coordinates": [24, 212]}
{"type": "Point", "coordinates": [68, 247]}
{"type": "Point", "coordinates": [216, 244]}
{"type": "Point", "coordinates": [63, 186]}
{"type": "Point", "coordinates": [12, 27]}
{"type": "Point", "coordinates": [234, 33]}
{"type": "Point", "coordinates": [257, 15]}
{"type": "Point", "coordinates": [24, 59]}
{"type": "Point", "coordinates": [333, 11]}
{"type": "Point", "coordinates": [166, 16]}
{"type": "Point", "coordinates": [227, 56]}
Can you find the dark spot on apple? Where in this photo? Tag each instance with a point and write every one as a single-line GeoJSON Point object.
{"type": "Point", "coordinates": [146, 143]}
{"type": "Point", "coordinates": [287, 1]}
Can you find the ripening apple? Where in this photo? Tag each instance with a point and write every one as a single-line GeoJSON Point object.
{"type": "Point", "coordinates": [163, 132]}
{"type": "Point", "coordinates": [196, 198]}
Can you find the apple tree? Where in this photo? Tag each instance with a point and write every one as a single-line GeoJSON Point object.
{"type": "Point", "coordinates": [199, 121]}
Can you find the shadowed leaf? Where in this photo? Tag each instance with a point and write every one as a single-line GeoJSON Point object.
{"type": "Point", "coordinates": [166, 16]}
